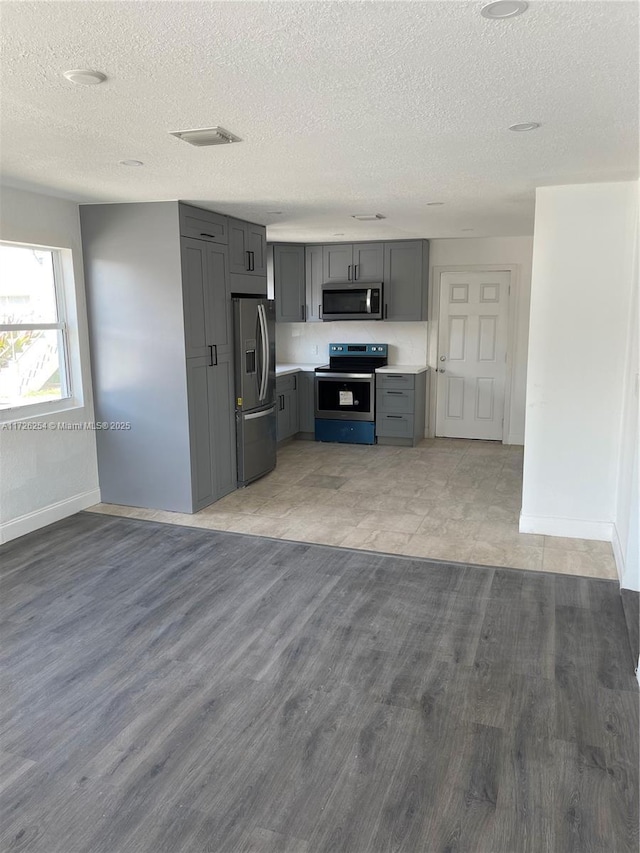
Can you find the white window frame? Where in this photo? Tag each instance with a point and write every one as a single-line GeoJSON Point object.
{"type": "Point", "coordinates": [68, 392]}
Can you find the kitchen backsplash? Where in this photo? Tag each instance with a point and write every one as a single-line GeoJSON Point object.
{"type": "Point", "coordinates": [308, 343]}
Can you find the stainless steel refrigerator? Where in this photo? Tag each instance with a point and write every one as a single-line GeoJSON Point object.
{"type": "Point", "coordinates": [255, 356]}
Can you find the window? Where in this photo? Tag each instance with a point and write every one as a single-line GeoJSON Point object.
{"type": "Point", "coordinates": [33, 334]}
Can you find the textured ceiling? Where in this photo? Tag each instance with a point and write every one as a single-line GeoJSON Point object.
{"type": "Point", "coordinates": [344, 107]}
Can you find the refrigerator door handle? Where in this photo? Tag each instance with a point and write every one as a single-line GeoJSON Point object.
{"type": "Point", "coordinates": [262, 414]}
{"type": "Point", "coordinates": [264, 339]}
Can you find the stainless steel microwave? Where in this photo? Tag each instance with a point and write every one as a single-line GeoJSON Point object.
{"type": "Point", "coordinates": [352, 300]}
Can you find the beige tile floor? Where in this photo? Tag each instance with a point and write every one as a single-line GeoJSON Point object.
{"type": "Point", "coordinates": [449, 499]}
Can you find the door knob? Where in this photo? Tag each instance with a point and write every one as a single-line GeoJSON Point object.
{"type": "Point", "coordinates": [443, 358]}
{"type": "Point", "coordinates": [441, 370]}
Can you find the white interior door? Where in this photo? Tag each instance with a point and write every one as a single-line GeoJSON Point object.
{"type": "Point", "coordinates": [472, 354]}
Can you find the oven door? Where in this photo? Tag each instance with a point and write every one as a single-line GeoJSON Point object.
{"type": "Point", "coordinates": [345, 396]}
{"type": "Point", "coordinates": [352, 302]}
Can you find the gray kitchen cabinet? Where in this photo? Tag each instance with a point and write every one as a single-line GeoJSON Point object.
{"type": "Point", "coordinates": [313, 277]}
{"type": "Point", "coordinates": [406, 269]}
{"type": "Point", "coordinates": [400, 408]}
{"type": "Point", "coordinates": [207, 308]}
{"type": "Point", "coordinates": [353, 262]}
{"type": "Point", "coordinates": [203, 224]}
{"type": "Point", "coordinates": [287, 406]}
{"type": "Point", "coordinates": [368, 262]}
{"type": "Point", "coordinates": [336, 262]}
{"type": "Point", "coordinates": [247, 248]}
{"type": "Point", "coordinates": [212, 428]}
{"type": "Point", "coordinates": [306, 404]}
{"type": "Point", "coordinates": [160, 334]}
{"type": "Point", "coordinates": [289, 283]}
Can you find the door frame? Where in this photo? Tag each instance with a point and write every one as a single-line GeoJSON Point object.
{"type": "Point", "coordinates": [434, 331]}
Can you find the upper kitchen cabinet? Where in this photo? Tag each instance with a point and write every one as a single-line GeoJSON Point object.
{"type": "Point", "coordinates": [353, 262]}
{"type": "Point", "coordinates": [247, 248]}
{"type": "Point", "coordinates": [406, 270]}
{"type": "Point", "coordinates": [203, 224]}
{"type": "Point", "coordinates": [289, 283]}
{"type": "Point", "coordinates": [313, 277]}
{"type": "Point", "coordinates": [207, 308]}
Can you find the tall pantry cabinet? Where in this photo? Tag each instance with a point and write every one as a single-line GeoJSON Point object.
{"type": "Point", "coordinates": [157, 278]}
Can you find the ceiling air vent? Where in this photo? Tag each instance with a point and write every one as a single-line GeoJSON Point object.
{"type": "Point", "coordinates": [206, 136]}
{"type": "Point", "coordinates": [367, 217]}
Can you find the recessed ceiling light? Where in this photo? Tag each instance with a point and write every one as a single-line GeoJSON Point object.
{"type": "Point", "coordinates": [435, 203]}
{"type": "Point", "coordinates": [367, 217]}
{"type": "Point", "coordinates": [466, 229]}
{"type": "Point", "coordinates": [340, 234]}
{"type": "Point", "coordinates": [274, 213]}
{"type": "Point", "coordinates": [206, 136]}
{"type": "Point", "coordinates": [130, 163]}
{"type": "Point", "coordinates": [525, 125]}
{"type": "Point", "coordinates": [85, 77]}
{"type": "Point", "coordinates": [504, 9]}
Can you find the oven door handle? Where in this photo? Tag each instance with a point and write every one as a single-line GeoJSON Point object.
{"type": "Point", "coordinates": [369, 301]}
{"type": "Point", "coordinates": [332, 375]}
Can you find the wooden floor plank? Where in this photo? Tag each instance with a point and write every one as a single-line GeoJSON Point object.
{"type": "Point", "coordinates": [178, 690]}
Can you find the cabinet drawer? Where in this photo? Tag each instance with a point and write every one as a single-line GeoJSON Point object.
{"type": "Point", "coordinates": [401, 381]}
{"type": "Point", "coordinates": [394, 426]}
{"type": "Point", "coordinates": [203, 224]}
{"type": "Point", "coordinates": [286, 383]}
{"type": "Point", "coordinates": [395, 401]}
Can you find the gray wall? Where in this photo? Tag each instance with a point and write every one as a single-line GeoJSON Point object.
{"type": "Point", "coordinates": [136, 327]}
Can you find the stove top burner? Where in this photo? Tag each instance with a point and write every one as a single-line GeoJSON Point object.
{"type": "Point", "coordinates": [362, 357]}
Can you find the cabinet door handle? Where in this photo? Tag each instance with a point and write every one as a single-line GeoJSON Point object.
{"type": "Point", "coordinates": [319, 311]}
{"type": "Point", "coordinates": [395, 392]}
{"type": "Point", "coordinates": [395, 417]}
{"type": "Point", "coordinates": [213, 236]}
{"type": "Point", "coordinates": [355, 272]}
{"type": "Point", "coordinates": [303, 312]}
{"type": "Point", "coordinates": [213, 354]}
{"type": "Point", "coordinates": [253, 261]}
{"type": "Point", "coordinates": [349, 273]}
{"type": "Point", "coordinates": [386, 311]}
{"type": "Point", "coordinates": [247, 263]}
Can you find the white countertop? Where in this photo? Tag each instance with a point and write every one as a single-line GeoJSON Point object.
{"type": "Point", "coordinates": [403, 368]}
{"type": "Point", "coordinates": [286, 369]}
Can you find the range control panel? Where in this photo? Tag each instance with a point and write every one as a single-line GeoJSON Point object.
{"type": "Point", "coordinates": [358, 349]}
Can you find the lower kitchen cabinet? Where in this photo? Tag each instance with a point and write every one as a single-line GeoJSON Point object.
{"type": "Point", "coordinates": [400, 408]}
{"type": "Point", "coordinates": [210, 390]}
{"type": "Point", "coordinates": [287, 406]}
{"type": "Point", "coordinates": [307, 404]}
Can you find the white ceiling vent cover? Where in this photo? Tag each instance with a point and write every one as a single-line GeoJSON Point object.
{"type": "Point", "coordinates": [206, 136]}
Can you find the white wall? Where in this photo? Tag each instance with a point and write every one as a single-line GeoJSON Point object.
{"type": "Point", "coordinates": [48, 474]}
{"type": "Point", "coordinates": [308, 343]}
{"type": "Point", "coordinates": [626, 541]}
{"type": "Point", "coordinates": [494, 251]}
{"type": "Point", "coordinates": [578, 344]}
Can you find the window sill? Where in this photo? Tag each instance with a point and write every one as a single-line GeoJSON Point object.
{"type": "Point", "coordinates": [43, 411]}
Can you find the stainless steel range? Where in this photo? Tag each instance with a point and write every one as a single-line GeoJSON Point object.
{"type": "Point", "coordinates": [346, 393]}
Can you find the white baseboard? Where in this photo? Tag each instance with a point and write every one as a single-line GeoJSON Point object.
{"type": "Point", "coordinates": [573, 528]}
{"type": "Point", "coordinates": [515, 438]}
{"type": "Point", "coordinates": [47, 515]}
{"type": "Point", "coordinates": [618, 553]}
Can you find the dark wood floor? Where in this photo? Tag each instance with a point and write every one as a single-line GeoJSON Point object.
{"type": "Point", "coordinates": [168, 690]}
